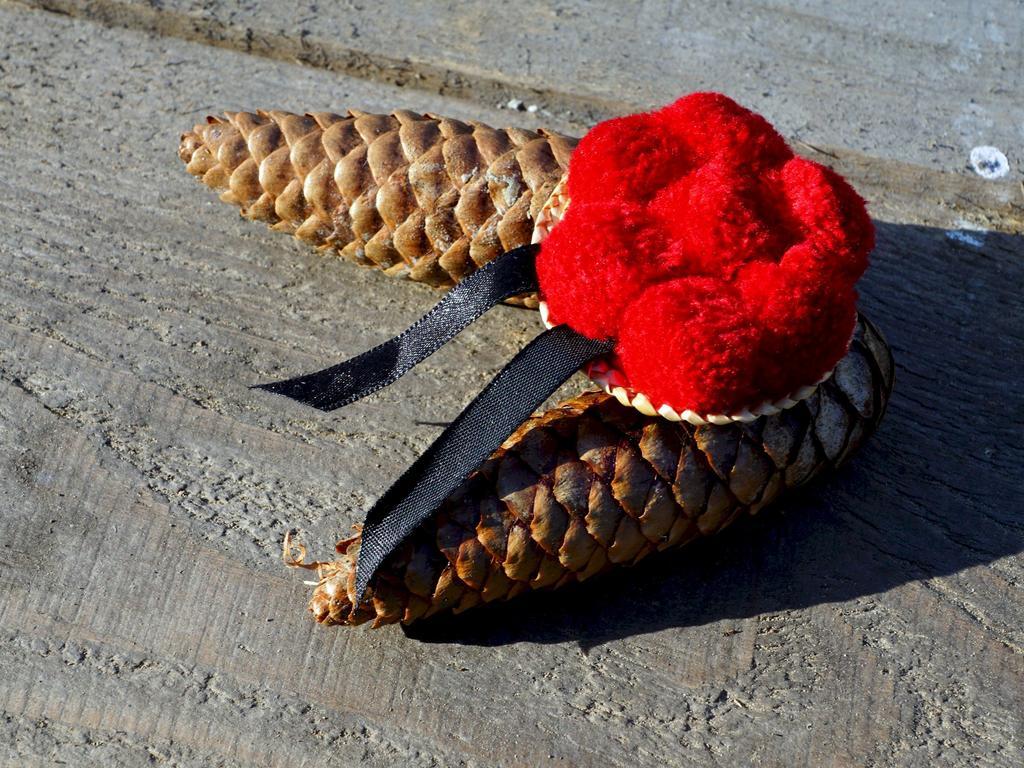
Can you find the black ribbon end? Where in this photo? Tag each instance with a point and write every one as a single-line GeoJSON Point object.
{"type": "Point", "coordinates": [298, 390]}
{"type": "Point", "coordinates": [512, 273]}
{"type": "Point", "coordinates": [374, 546]}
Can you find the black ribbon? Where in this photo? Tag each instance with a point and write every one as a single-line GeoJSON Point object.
{"type": "Point", "coordinates": [508, 275]}
{"type": "Point", "coordinates": [510, 398]}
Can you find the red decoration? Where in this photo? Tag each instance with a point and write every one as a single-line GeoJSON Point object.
{"type": "Point", "coordinates": [723, 265]}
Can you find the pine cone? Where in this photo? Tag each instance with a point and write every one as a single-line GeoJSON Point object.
{"type": "Point", "coordinates": [591, 485]}
{"type": "Point", "coordinates": [417, 195]}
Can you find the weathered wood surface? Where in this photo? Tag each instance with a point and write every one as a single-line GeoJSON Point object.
{"type": "Point", "coordinates": [144, 490]}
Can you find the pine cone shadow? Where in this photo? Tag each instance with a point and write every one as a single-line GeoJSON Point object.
{"type": "Point", "coordinates": [932, 493]}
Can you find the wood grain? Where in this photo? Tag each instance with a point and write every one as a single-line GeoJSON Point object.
{"type": "Point", "coordinates": [144, 489]}
{"type": "Point", "coordinates": [905, 81]}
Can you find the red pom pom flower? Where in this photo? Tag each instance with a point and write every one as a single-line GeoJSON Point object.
{"type": "Point", "coordinates": [722, 265]}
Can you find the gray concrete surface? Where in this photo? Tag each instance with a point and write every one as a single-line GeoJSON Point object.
{"type": "Point", "coordinates": [145, 617]}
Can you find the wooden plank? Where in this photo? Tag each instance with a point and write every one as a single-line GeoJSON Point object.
{"type": "Point", "coordinates": [144, 489]}
{"type": "Point", "coordinates": [912, 81]}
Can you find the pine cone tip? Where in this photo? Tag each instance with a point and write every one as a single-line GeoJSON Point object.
{"type": "Point", "coordinates": [330, 603]}
{"type": "Point", "coordinates": [189, 143]}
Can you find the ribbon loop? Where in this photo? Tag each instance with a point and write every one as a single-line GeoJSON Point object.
{"type": "Point", "coordinates": [510, 274]}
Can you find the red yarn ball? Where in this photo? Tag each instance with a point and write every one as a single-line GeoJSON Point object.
{"type": "Point", "coordinates": [711, 125]}
{"type": "Point", "coordinates": [709, 371]}
{"type": "Point", "coordinates": [592, 240]}
{"type": "Point", "coordinates": [625, 158]}
{"type": "Point", "coordinates": [723, 266]}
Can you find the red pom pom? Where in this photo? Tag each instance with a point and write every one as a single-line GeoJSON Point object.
{"type": "Point", "coordinates": [602, 265]}
{"type": "Point", "coordinates": [689, 341]}
{"type": "Point", "coordinates": [628, 157]}
{"type": "Point", "coordinates": [725, 224]}
{"type": "Point", "coordinates": [723, 266]}
{"type": "Point", "coordinates": [714, 126]}
{"type": "Point", "coordinates": [831, 215]}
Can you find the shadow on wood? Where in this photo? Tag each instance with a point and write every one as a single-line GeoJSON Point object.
{"type": "Point", "coordinates": [936, 491]}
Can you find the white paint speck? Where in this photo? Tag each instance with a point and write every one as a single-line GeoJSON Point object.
{"type": "Point", "coordinates": [532, 108]}
{"type": "Point", "coordinates": [973, 239]}
{"type": "Point", "coordinates": [989, 162]}
{"type": "Point", "coordinates": [967, 234]}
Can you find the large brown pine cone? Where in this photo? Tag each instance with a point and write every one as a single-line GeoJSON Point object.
{"type": "Point", "coordinates": [417, 195]}
{"type": "Point", "coordinates": [592, 484]}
